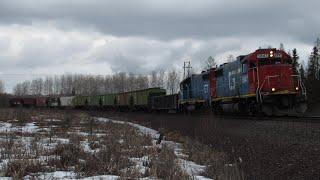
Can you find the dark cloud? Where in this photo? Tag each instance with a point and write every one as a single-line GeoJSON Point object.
{"type": "Point", "coordinates": [172, 19]}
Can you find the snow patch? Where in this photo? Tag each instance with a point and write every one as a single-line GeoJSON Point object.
{"type": "Point", "coordinates": [194, 170]}
{"type": "Point", "coordinates": [27, 128]}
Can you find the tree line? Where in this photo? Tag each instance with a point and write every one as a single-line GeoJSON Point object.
{"type": "Point", "coordinates": [311, 75]}
{"type": "Point", "coordinates": [80, 84]}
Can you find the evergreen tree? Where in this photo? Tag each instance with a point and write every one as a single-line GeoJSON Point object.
{"type": "Point", "coordinates": [312, 65]}
{"type": "Point", "coordinates": [317, 58]}
{"type": "Point", "coordinates": [312, 83]}
{"type": "Point", "coordinates": [295, 63]}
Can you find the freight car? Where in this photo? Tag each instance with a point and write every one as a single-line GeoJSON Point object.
{"type": "Point", "coordinates": [169, 103]}
{"type": "Point", "coordinates": [41, 101]}
{"type": "Point", "coordinates": [139, 99]}
{"type": "Point", "coordinates": [28, 101]}
{"type": "Point", "coordinates": [261, 82]}
{"type": "Point", "coordinates": [53, 101]}
{"type": "Point", "coordinates": [66, 101]}
{"type": "Point", "coordinates": [15, 101]}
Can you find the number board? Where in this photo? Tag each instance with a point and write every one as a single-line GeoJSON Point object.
{"type": "Point", "coordinates": [263, 56]}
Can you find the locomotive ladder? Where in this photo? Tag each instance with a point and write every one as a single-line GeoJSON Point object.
{"type": "Point", "coordinates": [259, 88]}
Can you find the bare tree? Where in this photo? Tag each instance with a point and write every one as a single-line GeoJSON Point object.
{"type": "Point", "coordinates": [48, 86]}
{"type": "Point", "coordinates": [154, 79]}
{"type": "Point", "coordinates": [26, 88]}
{"type": "Point", "coordinates": [57, 85]}
{"type": "Point", "coordinates": [132, 82]}
{"type": "Point", "coordinates": [172, 81]}
{"type": "Point", "coordinates": [209, 63]}
{"type": "Point", "coordinates": [22, 89]}
{"type": "Point", "coordinates": [80, 84]}
{"type": "Point", "coordinates": [17, 90]}
{"type": "Point", "coordinates": [161, 78]}
{"type": "Point", "coordinates": [36, 86]}
{"type": "Point", "coordinates": [142, 82]}
{"type": "Point", "coordinates": [230, 58]}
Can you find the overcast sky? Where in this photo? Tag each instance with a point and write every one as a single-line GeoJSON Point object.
{"type": "Point", "coordinates": [48, 37]}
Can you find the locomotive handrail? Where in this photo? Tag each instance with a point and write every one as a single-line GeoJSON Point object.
{"type": "Point", "coordinates": [301, 84]}
{"type": "Point", "coordinates": [259, 88]}
{"type": "Point", "coordinates": [274, 76]}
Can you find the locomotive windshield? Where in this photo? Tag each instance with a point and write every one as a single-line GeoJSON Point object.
{"type": "Point", "coordinates": [270, 61]}
{"type": "Point", "coordinates": [272, 57]}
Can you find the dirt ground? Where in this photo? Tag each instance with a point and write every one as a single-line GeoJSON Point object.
{"type": "Point", "coordinates": [265, 149]}
{"type": "Point", "coordinates": [314, 110]}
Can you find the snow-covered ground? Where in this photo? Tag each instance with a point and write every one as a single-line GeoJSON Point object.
{"type": "Point", "coordinates": [194, 170]}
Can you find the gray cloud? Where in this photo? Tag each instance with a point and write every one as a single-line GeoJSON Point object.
{"type": "Point", "coordinates": [92, 36]}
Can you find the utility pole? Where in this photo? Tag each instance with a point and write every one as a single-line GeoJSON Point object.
{"type": "Point", "coordinates": [186, 67]}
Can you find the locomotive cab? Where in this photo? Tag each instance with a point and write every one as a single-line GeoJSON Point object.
{"type": "Point", "coordinates": [274, 81]}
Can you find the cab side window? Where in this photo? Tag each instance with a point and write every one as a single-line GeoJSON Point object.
{"type": "Point", "coordinates": [244, 68]}
{"type": "Point", "coordinates": [252, 65]}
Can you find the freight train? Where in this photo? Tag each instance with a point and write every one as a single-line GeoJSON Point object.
{"type": "Point", "coordinates": [262, 82]}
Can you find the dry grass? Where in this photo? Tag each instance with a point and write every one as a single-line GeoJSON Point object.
{"type": "Point", "coordinates": [218, 166]}
{"type": "Point", "coordinates": [73, 141]}
{"type": "Point", "coordinates": [163, 165]}
{"type": "Point", "coordinates": [17, 169]}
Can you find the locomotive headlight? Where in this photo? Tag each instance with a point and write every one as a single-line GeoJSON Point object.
{"type": "Point", "coordinates": [297, 88]}
{"type": "Point", "coordinates": [273, 89]}
{"type": "Point", "coordinates": [271, 53]}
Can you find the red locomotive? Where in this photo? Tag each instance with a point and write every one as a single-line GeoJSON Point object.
{"type": "Point", "coordinates": [263, 81]}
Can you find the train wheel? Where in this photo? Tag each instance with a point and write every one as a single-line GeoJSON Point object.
{"type": "Point", "coordinates": [301, 108]}
{"type": "Point", "coordinates": [267, 110]}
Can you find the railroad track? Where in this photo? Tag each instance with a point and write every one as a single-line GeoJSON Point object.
{"type": "Point", "coordinates": [306, 119]}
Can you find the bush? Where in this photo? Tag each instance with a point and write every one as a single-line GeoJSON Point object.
{"type": "Point", "coordinates": [17, 169]}
{"type": "Point", "coordinates": [163, 165]}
